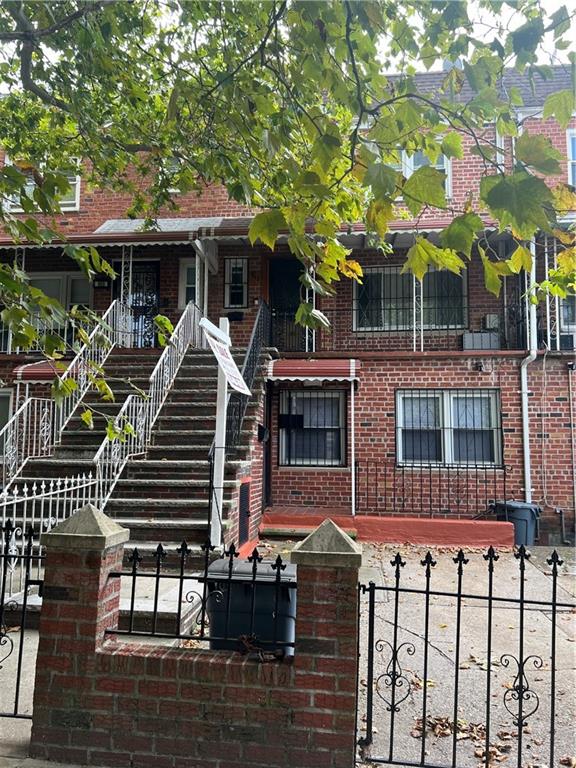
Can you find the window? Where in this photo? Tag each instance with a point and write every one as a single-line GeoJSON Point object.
{"type": "Point", "coordinates": [571, 136]}
{"type": "Point", "coordinates": [68, 289]}
{"type": "Point", "coordinates": [391, 301]}
{"type": "Point", "coordinates": [312, 428]}
{"type": "Point", "coordinates": [69, 200]}
{"type": "Point", "coordinates": [456, 426]}
{"type": "Point", "coordinates": [568, 310]}
{"type": "Point", "coordinates": [187, 284]}
{"type": "Point", "coordinates": [407, 164]}
{"type": "Point", "coordinates": [235, 283]}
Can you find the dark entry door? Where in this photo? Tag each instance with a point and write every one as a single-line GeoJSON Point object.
{"type": "Point", "coordinates": [285, 294]}
{"type": "Point", "coordinates": [144, 300]}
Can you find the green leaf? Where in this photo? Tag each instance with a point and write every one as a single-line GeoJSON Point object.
{"type": "Point", "coordinates": [520, 259]}
{"type": "Point", "coordinates": [560, 105]}
{"type": "Point", "coordinates": [265, 227]}
{"type": "Point", "coordinates": [103, 389]}
{"type": "Point", "coordinates": [417, 260]}
{"type": "Point", "coordinates": [461, 233]}
{"type": "Point", "coordinates": [426, 186]}
{"type": "Point", "coordinates": [379, 215]}
{"type": "Point", "coordinates": [492, 279]}
{"type": "Point", "coordinates": [452, 145]}
{"type": "Point", "coordinates": [63, 388]}
{"type": "Point", "coordinates": [112, 431]}
{"type": "Point", "coordinates": [325, 149]}
{"type": "Point", "coordinates": [539, 153]}
{"type": "Point", "coordinates": [517, 201]}
{"type": "Point", "coordinates": [382, 179]}
{"type": "Point", "coordinates": [87, 418]}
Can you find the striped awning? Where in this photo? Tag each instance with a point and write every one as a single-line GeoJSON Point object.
{"type": "Point", "coordinates": [313, 370]}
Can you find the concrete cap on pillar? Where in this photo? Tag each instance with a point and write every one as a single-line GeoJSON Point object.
{"type": "Point", "coordinates": [87, 529]}
{"type": "Point", "coordinates": [328, 545]}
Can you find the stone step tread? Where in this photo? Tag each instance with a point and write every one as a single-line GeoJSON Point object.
{"type": "Point", "coordinates": [184, 463]}
{"type": "Point", "coordinates": [115, 501]}
{"type": "Point", "coordinates": [159, 522]}
{"type": "Point", "coordinates": [171, 547]}
{"type": "Point", "coordinates": [169, 481]}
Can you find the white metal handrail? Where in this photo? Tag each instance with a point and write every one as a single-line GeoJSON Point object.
{"type": "Point", "coordinates": [141, 411]}
{"type": "Point", "coordinates": [36, 427]}
{"type": "Point", "coordinates": [39, 505]}
{"type": "Point", "coordinates": [28, 433]}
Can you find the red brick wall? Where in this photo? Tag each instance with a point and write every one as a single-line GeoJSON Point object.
{"type": "Point", "coordinates": [147, 706]}
{"type": "Point", "coordinates": [387, 491]}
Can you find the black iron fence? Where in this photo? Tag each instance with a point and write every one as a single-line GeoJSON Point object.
{"type": "Point", "coordinates": [247, 605]}
{"type": "Point", "coordinates": [20, 571]}
{"type": "Point", "coordinates": [459, 665]}
{"type": "Point", "coordinates": [238, 403]}
{"type": "Point", "coordinates": [460, 490]}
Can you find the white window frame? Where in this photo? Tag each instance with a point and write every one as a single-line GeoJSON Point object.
{"type": "Point", "coordinates": [570, 159]}
{"type": "Point", "coordinates": [183, 284]}
{"type": "Point", "coordinates": [566, 327]}
{"type": "Point", "coordinates": [417, 298]}
{"type": "Point", "coordinates": [227, 268]}
{"type": "Point", "coordinates": [68, 207]}
{"type": "Point", "coordinates": [342, 428]}
{"type": "Point", "coordinates": [65, 284]}
{"type": "Point", "coordinates": [446, 425]}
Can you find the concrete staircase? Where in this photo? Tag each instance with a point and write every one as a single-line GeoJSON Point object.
{"type": "Point", "coordinates": [164, 495]}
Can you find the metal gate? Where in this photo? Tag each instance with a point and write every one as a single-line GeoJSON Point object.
{"type": "Point", "coordinates": [20, 592]}
{"type": "Point", "coordinates": [460, 664]}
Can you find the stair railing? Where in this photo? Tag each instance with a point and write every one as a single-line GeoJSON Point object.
{"type": "Point", "coordinates": [35, 429]}
{"type": "Point", "coordinates": [141, 411]}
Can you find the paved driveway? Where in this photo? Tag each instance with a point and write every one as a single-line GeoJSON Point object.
{"type": "Point", "coordinates": [472, 665]}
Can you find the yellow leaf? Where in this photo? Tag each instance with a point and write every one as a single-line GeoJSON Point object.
{"type": "Point", "coordinates": [351, 268]}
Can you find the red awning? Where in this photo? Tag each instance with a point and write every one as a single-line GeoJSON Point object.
{"type": "Point", "coordinates": [313, 370]}
{"type": "Point", "coordinates": [43, 370]}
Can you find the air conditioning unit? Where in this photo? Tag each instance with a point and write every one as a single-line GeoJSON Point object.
{"type": "Point", "coordinates": [481, 340]}
{"type": "Point", "coordinates": [491, 322]}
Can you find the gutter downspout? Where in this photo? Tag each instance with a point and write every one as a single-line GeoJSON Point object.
{"type": "Point", "coordinates": [531, 329]}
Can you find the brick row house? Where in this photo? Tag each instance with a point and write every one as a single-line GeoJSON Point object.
{"type": "Point", "coordinates": [421, 400]}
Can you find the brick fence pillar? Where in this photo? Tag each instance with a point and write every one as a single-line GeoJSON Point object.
{"type": "Point", "coordinates": [79, 602]}
{"type": "Point", "coordinates": [327, 637]}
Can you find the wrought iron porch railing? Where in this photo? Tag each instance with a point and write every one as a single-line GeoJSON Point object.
{"type": "Point", "coordinates": [140, 411]}
{"type": "Point", "coordinates": [435, 490]}
{"type": "Point", "coordinates": [238, 403]}
{"type": "Point", "coordinates": [38, 506]}
{"type": "Point", "coordinates": [36, 427]}
{"type": "Point", "coordinates": [241, 605]}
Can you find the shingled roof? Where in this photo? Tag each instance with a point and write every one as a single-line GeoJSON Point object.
{"type": "Point", "coordinates": [534, 92]}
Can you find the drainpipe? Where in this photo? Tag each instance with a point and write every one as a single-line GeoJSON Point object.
{"type": "Point", "coordinates": [352, 437]}
{"type": "Point", "coordinates": [532, 340]}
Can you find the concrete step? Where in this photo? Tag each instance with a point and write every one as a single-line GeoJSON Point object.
{"type": "Point", "coordinates": [156, 530]}
{"type": "Point", "coordinates": [169, 488]}
{"type": "Point", "coordinates": [185, 438]}
{"type": "Point", "coordinates": [189, 452]}
{"type": "Point", "coordinates": [147, 551]}
{"type": "Point", "coordinates": [187, 509]}
{"type": "Point", "coordinates": [186, 469]}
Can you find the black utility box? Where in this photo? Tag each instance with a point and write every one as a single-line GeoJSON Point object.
{"type": "Point", "coordinates": [240, 616]}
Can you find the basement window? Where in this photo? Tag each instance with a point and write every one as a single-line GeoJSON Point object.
{"type": "Point", "coordinates": [312, 427]}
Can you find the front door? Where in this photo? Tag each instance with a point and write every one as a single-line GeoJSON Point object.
{"type": "Point", "coordinates": [143, 300]}
{"type": "Point", "coordinates": [285, 295]}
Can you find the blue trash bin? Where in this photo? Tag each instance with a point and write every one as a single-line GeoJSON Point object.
{"type": "Point", "coordinates": [523, 516]}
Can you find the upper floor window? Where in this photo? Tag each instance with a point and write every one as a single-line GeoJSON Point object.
{"type": "Point", "coordinates": [312, 428]}
{"type": "Point", "coordinates": [235, 283]}
{"type": "Point", "coordinates": [572, 157]}
{"type": "Point", "coordinates": [68, 201]}
{"type": "Point", "coordinates": [408, 164]}
{"type": "Point", "coordinates": [453, 426]}
{"type": "Point", "coordinates": [388, 300]}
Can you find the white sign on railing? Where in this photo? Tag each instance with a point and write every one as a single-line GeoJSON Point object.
{"type": "Point", "coordinates": [220, 344]}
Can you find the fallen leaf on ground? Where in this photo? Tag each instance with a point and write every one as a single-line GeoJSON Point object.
{"type": "Point", "coordinates": [568, 760]}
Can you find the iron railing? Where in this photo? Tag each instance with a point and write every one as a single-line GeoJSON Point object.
{"type": "Point", "coordinates": [21, 562]}
{"type": "Point", "coordinates": [36, 427]}
{"type": "Point", "coordinates": [139, 412]}
{"type": "Point", "coordinates": [433, 490]}
{"type": "Point", "coordinates": [233, 604]}
{"type": "Point", "coordinates": [40, 506]}
{"type": "Point", "coordinates": [238, 403]}
{"type": "Point", "coordinates": [463, 675]}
